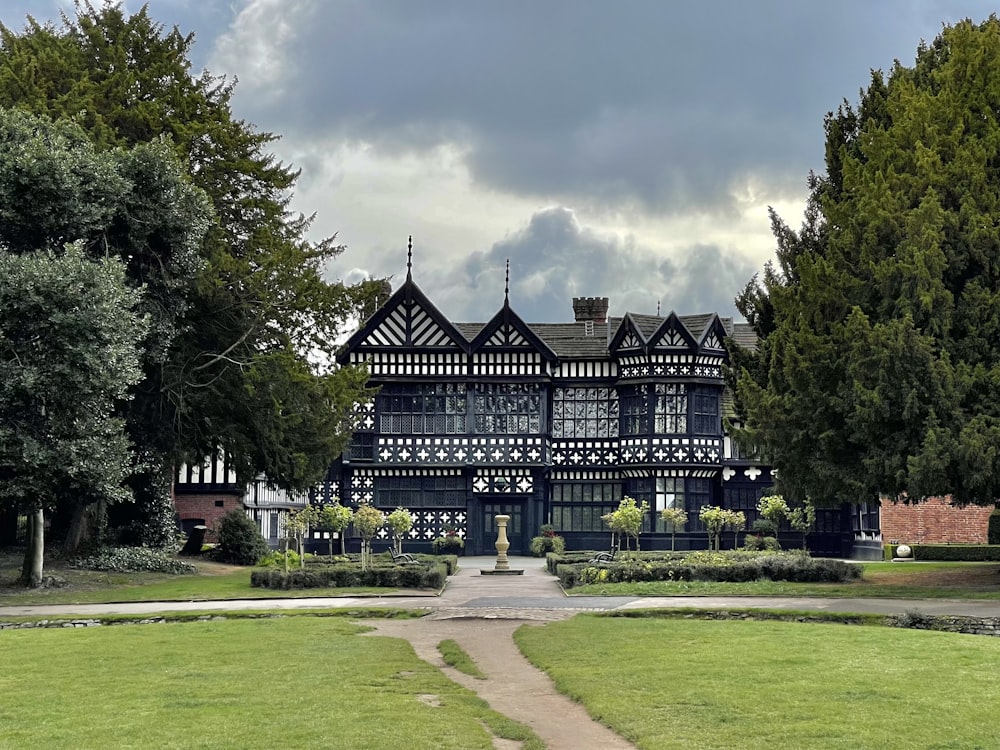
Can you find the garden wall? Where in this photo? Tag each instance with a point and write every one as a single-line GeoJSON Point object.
{"type": "Point", "coordinates": [934, 521]}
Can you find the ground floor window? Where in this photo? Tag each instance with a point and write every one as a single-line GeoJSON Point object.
{"type": "Point", "coordinates": [578, 506]}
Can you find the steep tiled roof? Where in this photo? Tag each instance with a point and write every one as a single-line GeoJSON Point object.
{"type": "Point", "coordinates": [743, 334]}
{"type": "Point", "coordinates": [570, 340]}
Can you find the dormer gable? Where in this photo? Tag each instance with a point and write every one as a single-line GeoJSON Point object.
{"type": "Point", "coordinates": [713, 336]}
{"type": "Point", "coordinates": [673, 334]}
{"type": "Point", "coordinates": [507, 331]}
{"type": "Point", "coordinates": [628, 338]}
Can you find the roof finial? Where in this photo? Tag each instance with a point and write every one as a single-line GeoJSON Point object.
{"type": "Point", "coordinates": [657, 308]}
{"type": "Point", "coordinates": [409, 258]}
{"type": "Point", "coordinates": [506, 285]}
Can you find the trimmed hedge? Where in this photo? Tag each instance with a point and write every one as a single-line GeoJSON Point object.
{"type": "Point", "coordinates": [950, 552]}
{"type": "Point", "coordinates": [423, 576]}
{"type": "Point", "coordinates": [722, 567]}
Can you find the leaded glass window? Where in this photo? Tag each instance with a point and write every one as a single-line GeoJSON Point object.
{"type": "Point", "coordinates": [578, 506]}
{"type": "Point", "coordinates": [705, 410]}
{"type": "Point", "coordinates": [634, 410]}
{"type": "Point", "coordinates": [422, 409]}
{"type": "Point", "coordinates": [508, 408]}
{"type": "Point", "coordinates": [584, 413]}
{"type": "Point", "coordinates": [669, 493]}
{"type": "Point", "coordinates": [670, 408]}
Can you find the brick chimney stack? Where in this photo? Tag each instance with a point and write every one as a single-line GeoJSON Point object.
{"type": "Point", "coordinates": [590, 309]}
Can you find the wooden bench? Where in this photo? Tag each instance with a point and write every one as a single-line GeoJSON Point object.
{"type": "Point", "coordinates": [604, 557]}
{"type": "Point", "coordinates": [402, 558]}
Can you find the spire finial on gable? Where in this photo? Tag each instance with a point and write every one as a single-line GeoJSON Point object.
{"type": "Point", "coordinates": [657, 308]}
{"type": "Point", "coordinates": [409, 258]}
{"type": "Point", "coordinates": [506, 285]}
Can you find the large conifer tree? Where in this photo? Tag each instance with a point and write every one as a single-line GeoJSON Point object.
{"type": "Point", "coordinates": [878, 370]}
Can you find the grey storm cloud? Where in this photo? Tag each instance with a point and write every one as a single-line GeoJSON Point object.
{"type": "Point", "coordinates": [553, 258]}
{"type": "Point", "coordinates": [645, 105]}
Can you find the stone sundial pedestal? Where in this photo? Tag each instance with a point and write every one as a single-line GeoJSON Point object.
{"type": "Point", "coordinates": [502, 568]}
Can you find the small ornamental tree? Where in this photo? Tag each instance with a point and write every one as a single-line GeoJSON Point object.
{"type": "Point", "coordinates": [367, 521]}
{"type": "Point", "coordinates": [773, 508]}
{"type": "Point", "coordinates": [802, 518]}
{"type": "Point", "coordinates": [400, 522]}
{"type": "Point", "coordinates": [297, 525]}
{"type": "Point", "coordinates": [736, 521]}
{"type": "Point", "coordinates": [334, 518]}
{"type": "Point", "coordinates": [677, 518]}
{"type": "Point", "coordinates": [714, 519]}
{"type": "Point", "coordinates": [627, 519]}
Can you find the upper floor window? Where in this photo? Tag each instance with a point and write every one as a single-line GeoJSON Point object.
{"type": "Point", "coordinates": [634, 410]}
{"type": "Point", "coordinates": [422, 409]}
{"type": "Point", "coordinates": [670, 408]}
{"type": "Point", "coordinates": [705, 413]}
{"type": "Point", "coordinates": [584, 413]}
{"type": "Point", "coordinates": [508, 408]}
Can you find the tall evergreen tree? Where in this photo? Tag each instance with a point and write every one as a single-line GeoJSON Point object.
{"type": "Point", "coordinates": [878, 366]}
{"type": "Point", "coordinates": [238, 374]}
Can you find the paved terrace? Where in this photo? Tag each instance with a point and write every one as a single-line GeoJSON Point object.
{"type": "Point", "coordinates": [535, 595]}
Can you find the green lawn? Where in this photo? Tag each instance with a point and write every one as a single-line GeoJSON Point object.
{"type": "Point", "coordinates": [723, 684]}
{"type": "Point", "coordinates": [296, 682]}
{"type": "Point", "coordinates": [930, 580]}
{"type": "Point", "coordinates": [91, 587]}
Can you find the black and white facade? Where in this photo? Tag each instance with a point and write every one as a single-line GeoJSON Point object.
{"type": "Point", "coordinates": [547, 423]}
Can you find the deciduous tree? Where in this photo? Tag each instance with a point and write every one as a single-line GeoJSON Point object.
{"type": "Point", "coordinates": [69, 349]}
{"type": "Point", "coordinates": [237, 374]}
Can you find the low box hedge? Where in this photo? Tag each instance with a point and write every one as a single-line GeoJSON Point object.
{"type": "Point", "coordinates": [349, 575]}
{"type": "Point", "coordinates": [950, 552]}
{"type": "Point", "coordinates": [723, 567]}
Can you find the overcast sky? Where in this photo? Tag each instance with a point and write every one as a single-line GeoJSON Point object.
{"type": "Point", "coordinates": [621, 148]}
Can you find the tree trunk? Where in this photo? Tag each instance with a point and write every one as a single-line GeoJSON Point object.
{"type": "Point", "coordinates": [34, 555]}
{"type": "Point", "coordinates": [78, 531]}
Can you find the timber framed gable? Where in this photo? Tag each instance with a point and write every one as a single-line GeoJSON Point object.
{"type": "Point", "coordinates": [408, 336]}
{"type": "Point", "coordinates": [506, 346]}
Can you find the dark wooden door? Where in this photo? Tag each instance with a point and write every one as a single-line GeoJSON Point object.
{"type": "Point", "coordinates": [515, 528]}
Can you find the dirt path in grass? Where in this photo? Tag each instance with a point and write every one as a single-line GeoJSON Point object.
{"type": "Point", "coordinates": [513, 686]}
{"type": "Point", "coordinates": [481, 613]}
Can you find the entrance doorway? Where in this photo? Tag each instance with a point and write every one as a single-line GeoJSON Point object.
{"type": "Point", "coordinates": [487, 528]}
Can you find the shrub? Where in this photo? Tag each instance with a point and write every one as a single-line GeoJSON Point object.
{"type": "Point", "coordinates": [757, 543]}
{"type": "Point", "coordinates": [993, 528]}
{"type": "Point", "coordinates": [133, 560]}
{"type": "Point", "coordinates": [276, 559]}
{"type": "Point", "coordinates": [423, 576]}
{"type": "Point", "coordinates": [542, 545]}
{"type": "Point", "coordinates": [450, 544]}
{"type": "Point", "coordinates": [239, 538]}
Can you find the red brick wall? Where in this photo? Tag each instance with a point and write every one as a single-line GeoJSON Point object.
{"type": "Point", "coordinates": [933, 521]}
{"type": "Point", "coordinates": [204, 506]}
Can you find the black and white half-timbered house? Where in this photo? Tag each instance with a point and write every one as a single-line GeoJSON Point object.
{"type": "Point", "coordinates": [547, 423]}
